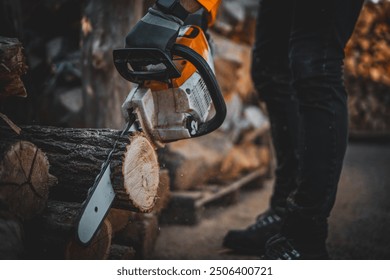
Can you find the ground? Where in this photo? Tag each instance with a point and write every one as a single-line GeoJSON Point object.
{"type": "Point", "coordinates": [359, 224]}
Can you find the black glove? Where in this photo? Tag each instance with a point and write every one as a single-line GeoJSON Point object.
{"type": "Point", "coordinates": [155, 30]}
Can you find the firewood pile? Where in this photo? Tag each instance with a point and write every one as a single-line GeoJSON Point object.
{"type": "Point", "coordinates": [45, 175]}
{"type": "Point", "coordinates": [368, 70]}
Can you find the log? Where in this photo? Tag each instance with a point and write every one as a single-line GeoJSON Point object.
{"type": "Point", "coordinates": [24, 178]}
{"type": "Point", "coordinates": [99, 249]}
{"type": "Point", "coordinates": [193, 162]}
{"type": "Point", "coordinates": [136, 230]}
{"type": "Point", "coordinates": [232, 67]}
{"type": "Point", "coordinates": [76, 156]}
{"type": "Point", "coordinates": [140, 233]}
{"type": "Point", "coordinates": [242, 159]}
{"type": "Point", "coordinates": [52, 235]}
{"type": "Point", "coordinates": [12, 67]}
{"type": "Point", "coordinates": [11, 236]}
{"type": "Point", "coordinates": [237, 20]}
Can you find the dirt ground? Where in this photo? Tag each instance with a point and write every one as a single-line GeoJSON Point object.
{"type": "Point", "coordinates": [359, 225]}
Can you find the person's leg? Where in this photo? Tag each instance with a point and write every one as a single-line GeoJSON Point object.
{"type": "Point", "coordinates": [272, 79]}
{"type": "Point", "coordinates": [318, 37]}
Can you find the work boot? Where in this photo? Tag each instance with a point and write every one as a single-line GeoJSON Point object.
{"type": "Point", "coordinates": [301, 237]}
{"type": "Point", "coordinates": [280, 247]}
{"type": "Point", "coordinates": [252, 240]}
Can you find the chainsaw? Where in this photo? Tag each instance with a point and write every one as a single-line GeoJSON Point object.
{"type": "Point", "coordinates": [177, 97]}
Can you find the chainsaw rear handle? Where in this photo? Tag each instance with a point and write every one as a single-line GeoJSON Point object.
{"type": "Point", "coordinates": [210, 80]}
{"type": "Point", "coordinates": [138, 59]}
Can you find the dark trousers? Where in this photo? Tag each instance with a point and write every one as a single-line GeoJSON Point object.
{"type": "Point", "coordinates": [298, 72]}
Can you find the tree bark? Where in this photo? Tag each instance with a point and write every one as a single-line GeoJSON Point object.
{"type": "Point", "coordinates": [12, 66]}
{"type": "Point", "coordinates": [104, 28]}
{"type": "Point", "coordinates": [76, 157]}
{"type": "Point", "coordinates": [52, 235]}
{"type": "Point", "coordinates": [140, 232]}
{"type": "Point", "coordinates": [99, 248]}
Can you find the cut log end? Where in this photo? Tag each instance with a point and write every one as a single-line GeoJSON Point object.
{"type": "Point", "coordinates": [141, 173]}
{"type": "Point", "coordinates": [24, 179]}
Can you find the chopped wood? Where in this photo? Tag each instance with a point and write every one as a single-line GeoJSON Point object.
{"type": "Point", "coordinates": [193, 162]}
{"type": "Point", "coordinates": [140, 233]}
{"type": "Point", "coordinates": [119, 219]}
{"type": "Point", "coordinates": [136, 230]}
{"type": "Point", "coordinates": [24, 178]}
{"type": "Point", "coordinates": [232, 67]}
{"type": "Point", "coordinates": [242, 159]}
{"type": "Point", "coordinates": [367, 70]}
{"type": "Point", "coordinates": [237, 20]}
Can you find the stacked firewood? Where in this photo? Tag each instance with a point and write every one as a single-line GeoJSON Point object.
{"type": "Point", "coordinates": [46, 174]}
{"type": "Point", "coordinates": [368, 70]}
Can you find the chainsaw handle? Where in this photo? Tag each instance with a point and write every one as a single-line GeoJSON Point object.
{"type": "Point", "coordinates": [131, 64]}
{"type": "Point", "coordinates": [210, 80]}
